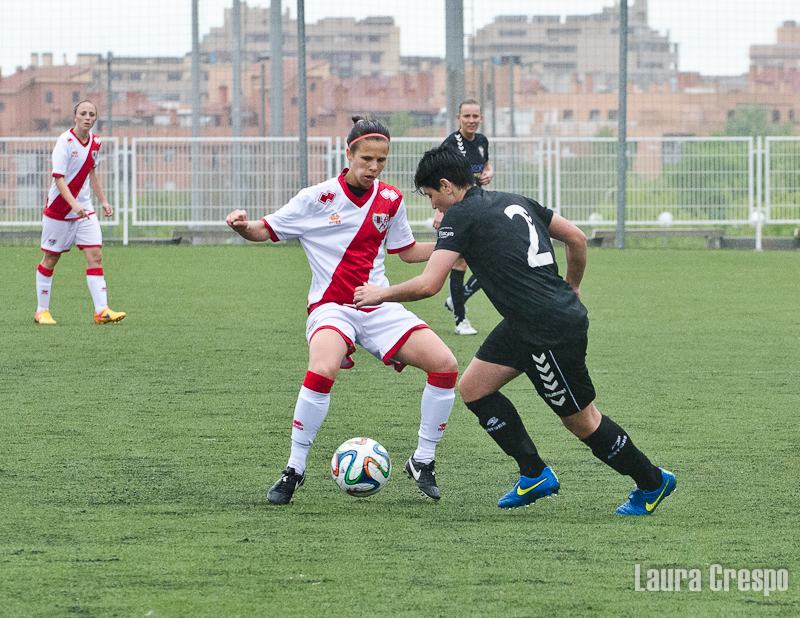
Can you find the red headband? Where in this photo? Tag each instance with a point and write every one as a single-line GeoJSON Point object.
{"type": "Point", "coordinates": [368, 135]}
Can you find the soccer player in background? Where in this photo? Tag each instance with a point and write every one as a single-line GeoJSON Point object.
{"type": "Point", "coordinates": [506, 240]}
{"type": "Point", "coordinates": [346, 225]}
{"type": "Point", "coordinates": [69, 216]}
{"type": "Point", "coordinates": [475, 147]}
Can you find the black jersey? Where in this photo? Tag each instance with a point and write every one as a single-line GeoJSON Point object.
{"type": "Point", "coordinates": [476, 151]}
{"type": "Point", "coordinates": [505, 240]}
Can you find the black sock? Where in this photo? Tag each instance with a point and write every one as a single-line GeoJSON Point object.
{"type": "Point", "coordinates": [611, 445]}
{"type": "Point", "coordinates": [457, 294]}
{"type": "Point", "coordinates": [470, 287]}
{"type": "Point", "coordinates": [500, 419]}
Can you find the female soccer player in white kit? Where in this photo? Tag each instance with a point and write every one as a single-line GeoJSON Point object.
{"type": "Point", "coordinates": [346, 225]}
{"type": "Point", "coordinates": [69, 215]}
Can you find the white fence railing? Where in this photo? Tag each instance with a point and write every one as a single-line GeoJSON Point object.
{"type": "Point", "coordinates": [782, 179]}
{"type": "Point", "coordinates": [25, 176]}
{"type": "Point", "coordinates": [196, 182]}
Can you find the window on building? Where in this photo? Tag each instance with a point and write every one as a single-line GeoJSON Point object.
{"type": "Point", "coordinates": [776, 115]}
{"type": "Point", "coordinates": [791, 114]}
{"type": "Point", "coordinates": [294, 101]}
{"type": "Point", "coordinates": [594, 115]}
{"type": "Point", "coordinates": [312, 122]}
{"type": "Point", "coordinates": [612, 114]}
{"type": "Point", "coordinates": [2, 107]}
{"type": "Point", "coordinates": [375, 58]}
{"type": "Point", "coordinates": [76, 96]}
{"type": "Point", "coordinates": [41, 124]}
{"type": "Point", "coordinates": [731, 113]}
{"type": "Point", "coordinates": [136, 76]}
{"type": "Point", "coordinates": [567, 115]}
{"type": "Point", "coordinates": [374, 38]}
{"type": "Point", "coordinates": [48, 97]}
{"type": "Point", "coordinates": [312, 86]}
{"type": "Point", "coordinates": [174, 76]}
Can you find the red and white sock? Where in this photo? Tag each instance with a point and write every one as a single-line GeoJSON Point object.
{"type": "Point", "coordinates": [311, 409]}
{"type": "Point", "coordinates": [437, 403]}
{"type": "Point", "coordinates": [44, 283]}
{"type": "Point", "coordinates": [97, 287]}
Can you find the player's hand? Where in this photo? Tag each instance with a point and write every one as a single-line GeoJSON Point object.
{"type": "Point", "coordinates": [577, 290]}
{"type": "Point", "coordinates": [486, 177]}
{"type": "Point", "coordinates": [437, 220]}
{"type": "Point", "coordinates": [108, 210]}
{"type": "Point", "coordinates": [367, 295]}
{"type": "Point", "coordinates": [79, 210]}
{"type": "Point", "coordinates": [238, 218]}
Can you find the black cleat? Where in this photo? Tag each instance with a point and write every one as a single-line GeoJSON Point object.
{"type": "Point", "coordinates": [425, 476]}
{"type": "Point", "coordinates": [282, 491]}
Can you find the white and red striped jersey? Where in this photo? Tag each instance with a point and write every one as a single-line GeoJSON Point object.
{"type": "Point", "coordinates": [345, 237]}
{"type": "Point", "coordinates": [72, 160]}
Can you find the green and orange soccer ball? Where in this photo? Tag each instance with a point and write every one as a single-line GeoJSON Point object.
{"type": "Point", "coordinates": [361, 467]}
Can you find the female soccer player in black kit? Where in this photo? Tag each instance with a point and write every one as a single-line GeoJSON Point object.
{"type": "Point", "coordinates": [475, 147]}
{"type": "Point", "coordinates": [506, 241]}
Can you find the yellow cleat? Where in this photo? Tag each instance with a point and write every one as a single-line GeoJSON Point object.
{"type": "Point", "coordinates": [43, 317]}
{"type": "Point", "coordinates": [107, 315]}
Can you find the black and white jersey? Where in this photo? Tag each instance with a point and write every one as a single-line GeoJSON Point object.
{"type": "Point", "coordinates": [505, 240]}
{"type": "Point", "coordinates": [476, 151]}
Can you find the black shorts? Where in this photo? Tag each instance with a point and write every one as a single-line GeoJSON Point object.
{"type": "Point", "coordinates": [558, 372]}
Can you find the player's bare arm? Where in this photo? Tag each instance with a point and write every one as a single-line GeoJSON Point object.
{"type": "Point", "coordinates": [255, 231]}
{"type": "Point", "coordinates": [422, 286]}
{"type": "Point", "coordinates": [486, 175]}
{"type": "Point", "coordinates": [97, 189]}
{"type": "Point", "coordinates": [418, 252]}
{"type": "Point", "coordinates": [575, 244]}
{"type": "Point", "coordinates": [63, 189]}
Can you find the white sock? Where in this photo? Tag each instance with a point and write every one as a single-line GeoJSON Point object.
{"type": "Point", "coordinates": [309, 412]}
{"type": "Point", "coordinates": [43, 286]}
{"type": "Point", "coordinates": [97, 287]}
{"type": "Point", "coordinates": [437, 403]}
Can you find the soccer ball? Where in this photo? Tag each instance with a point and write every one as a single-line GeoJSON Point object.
{"type": "Point", "coordinates": [361, 467]}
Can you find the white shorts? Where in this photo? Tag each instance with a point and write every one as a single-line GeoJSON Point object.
{"type": "Point", "coordinates": [380, 331]}
{"type": "Point", "coordinates": [58, 236]}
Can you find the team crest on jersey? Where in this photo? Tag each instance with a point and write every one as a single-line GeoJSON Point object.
{"type": "Point", "coordinates": [381, 222]}
{"type": "Point", "coordinates": [327, 197]}
{"type": "Point", "coordinates": [94, 155]}
{"type": "Point", "coordinates": [480, 150]}
{"type": "Point", "coordinates": [389, 194]}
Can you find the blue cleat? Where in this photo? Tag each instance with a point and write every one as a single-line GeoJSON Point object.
{"type": "Point", "coordinates": [528, 490]}
{"type": "Point", "coordinates": [645, 502]}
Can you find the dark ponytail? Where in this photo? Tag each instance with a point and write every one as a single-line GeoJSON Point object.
{"type": "Point", "coordinates": [366, 126]}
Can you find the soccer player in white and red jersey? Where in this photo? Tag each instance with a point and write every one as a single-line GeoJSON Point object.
{"type": "Point", "coordinates": [346, 226]}
{"type": "Point", "coordinates": [69, 216]}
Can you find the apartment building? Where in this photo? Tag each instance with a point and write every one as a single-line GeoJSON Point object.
{"type": "Point", "coordinates": [586, 46]}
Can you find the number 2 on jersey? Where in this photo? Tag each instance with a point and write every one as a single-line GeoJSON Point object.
{"type": "Point", "coordinates": [534, 257]}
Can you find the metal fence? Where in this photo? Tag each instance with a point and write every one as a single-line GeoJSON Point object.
{"type": "Point", "coordinates": [25, 177]}
{"type": "Point", "coordinates": [198, 181]}
{"type": "Point", "coordinates": [782, 179]}
{"type": "Point", "coordinates": [700, 181]}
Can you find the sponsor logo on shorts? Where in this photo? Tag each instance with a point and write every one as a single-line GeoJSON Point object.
{"type": "Point", "coordinates": [297, 425]}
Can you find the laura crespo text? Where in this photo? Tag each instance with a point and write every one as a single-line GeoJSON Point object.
{"type": "Point", "coordinates": [717, 579]}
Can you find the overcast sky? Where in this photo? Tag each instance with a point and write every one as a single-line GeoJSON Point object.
{"type": "Point", "coordinates": [713, 35]}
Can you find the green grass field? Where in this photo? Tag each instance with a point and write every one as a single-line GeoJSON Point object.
{"type": "Point", "coordinates": [136, 457]}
